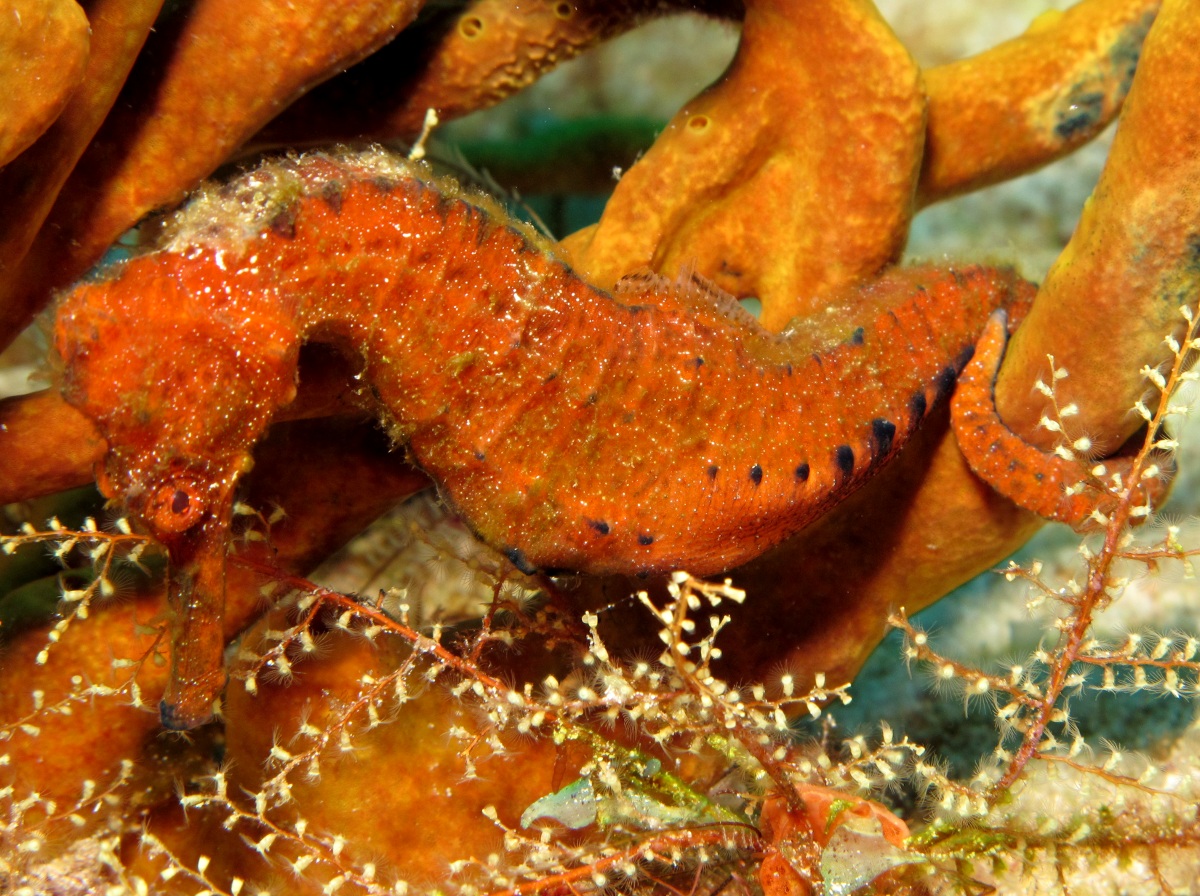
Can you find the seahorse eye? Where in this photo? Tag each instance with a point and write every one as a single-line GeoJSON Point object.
{"type": "Point", "coordinates": [175, 507]}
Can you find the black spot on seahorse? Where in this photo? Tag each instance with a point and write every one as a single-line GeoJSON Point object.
{"type": "Point", "coordinates": [593, 398]}
{"type": "Point", "coordinates": [788, 368]}
{"type": "Point", "coordinates": [712, 471]}
{"type": "Point", "coordinates": [551, 377]}
{"type": "Point", "coordinates": [385, 184]}
{"type": "Point", "coordinates": [331, 195]}
{"type": "Point", "coordinates": [480, 456]}
{"type": "Point", "coordinates": [918, 405]}
{"type": "Point", "coordinates": [756, 474]}
{"type": "Point", "coordinates": [599, 525]}
{"type": "Point", "coordinates": [845, 459]}
{"type": "Point", "coordinates": [284, 222]}
{"type": "Point", "coordinates": [483, 230]}
{"type": "Point", "coordinates": [965, 356]}
{"type": "Point", "coordinates": [172, 717]}
{"type": "Point", "coordinates": [884, 433]}
{"type": "Point", "coordinates": [857, 337]}
{"type": "Point", "coordinates": [644, 539]}
{"type": "Point", "coordinates": [518, 559]}
{"type": "Point", "coordinates": [699, 362]}
{"type": "Point", "coordinates": [944, 382]}
{"type": "Point", "coordinates": [802, 472]}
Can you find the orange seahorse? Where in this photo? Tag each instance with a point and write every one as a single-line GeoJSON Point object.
{"type": "Point", "coordinates": [656, 428]}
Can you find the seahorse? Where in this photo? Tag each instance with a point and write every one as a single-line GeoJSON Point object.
{"type": "Point", "coordinates": [1058, 486]}
{"type": "Point", "coordinates": [652, 428]}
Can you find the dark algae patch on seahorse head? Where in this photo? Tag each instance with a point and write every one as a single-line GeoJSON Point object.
{"type": "Point", "coordinates": [656, 428]}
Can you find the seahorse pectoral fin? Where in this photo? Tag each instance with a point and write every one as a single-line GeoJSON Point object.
{"type": "Point", "coordinates": [196, 595]}
{"type": "Point", "coordinates": [1058, 486]}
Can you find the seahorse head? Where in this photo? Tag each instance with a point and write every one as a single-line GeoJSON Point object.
{"type": "Point", "coordinates": [180, 371]}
